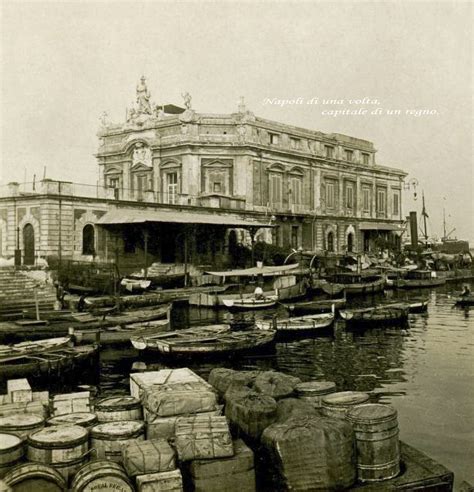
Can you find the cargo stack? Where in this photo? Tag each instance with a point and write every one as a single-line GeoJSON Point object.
{"type": "Point", "coordinates": [169, 394]}
{"type": "Point", "coordinates": [20, 399]}
{"type": "Point", "coordinates": [71, 403]}
{"type": "Point", "coordinates": [152, 465]}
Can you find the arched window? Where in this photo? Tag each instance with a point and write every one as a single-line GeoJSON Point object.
{"type": "Point", "coordinates": [28, 245]}
{"type": "Point", "coordinates": [350, 242]}
{"type": "Point", "coordinates": [330, 241]}
{"type": "Point", "coordinates": [88, 240]}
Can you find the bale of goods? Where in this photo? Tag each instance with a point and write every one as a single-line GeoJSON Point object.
{"type": "Point", "coordinates": [252, 413]}
{"type": "Point", "coordinates": [309, 453]}
{"type": "Point", "coordinates": [233, 474]}
{"type": "Point", "coordinates": [71, 403]}
{"type": "Point", "coordinates": [237, 391]}
{"type": "Point", "coordinates": [19, 391]}
{"type": "Point", "coordinates": [336, 405]}
{"type": "Point", "coordinates": [109, 438]}
{"type": "Point", "coordinates": [143, 380]}
{"type": "Point", "coordinates": [103, 476]}
{"type": "Point", "coordinates": [171, 481]}
{"type": "Point", "coordinates": [58, 444]}
{"type": "Point", "coordinates": [221, 379]}
{"type": "Point", "coordinates": [118, 408]}
{"type": "Point", "coordinates": [22, 424]}
{"type": "Point", "coordinates": [294, 407]}
{"type": "Point", "coordinates": [35, 477]}
{"type": "Point", "coordinates": [83, 419]}
{"type": "Point", "coordinates": [164, 427]}
{"type": "Point", "coordinates": [313, 391]}
{"type": "Point", "coordinates": [276, 384]}
{"type": "Point", "coordinates": [203, 437]}
{"type": "Point", "coordinates": [12, 449]}
{"type": "Point", "coordinates": [179, 399]}
{"type": "Point", "coordinates": [143, 457]}
{"type": "Point", "coordinates": [30, 407]}
{"type": "Point", "coordinates": [378, 446]}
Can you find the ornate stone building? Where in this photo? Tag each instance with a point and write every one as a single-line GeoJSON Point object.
{"type": "Point", "coordinates": [169, 173]}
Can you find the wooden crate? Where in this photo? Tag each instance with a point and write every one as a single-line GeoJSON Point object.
{"type": "Point", "coordinates": [418, 472]}
{"type": "Point", "coordinates": [30, 407]}
{"type": "Point", "coordinates": [160, 482]}
{"type": "Point", "coordinates": [71, 403]}
{"type": "Point", "coordinates": [19, 391]}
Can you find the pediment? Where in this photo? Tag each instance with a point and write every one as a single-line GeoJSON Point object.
{"type": "Point", "coordinates": [140, 167]}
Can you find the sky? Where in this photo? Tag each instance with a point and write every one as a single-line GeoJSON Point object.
{"type": "Point", "coordinates": [65, 63]}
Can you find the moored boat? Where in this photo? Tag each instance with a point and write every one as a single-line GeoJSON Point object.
{"type": "Point", "coordinates": [119, 334]}
{"type": "Point", "coordinates": [32, 347]}
{"type": "Point", "coordinates": [205, 340]}
{"type": "Point", "coordinates": [417, 279]}
{"type": "Point", "coordinates": [354, 284]}
{"type": "Point", "coordinates": [378, 314]}
{"type": "Point", "coordinates": [48, 363]}
{"type": "Point", "coordinates": [315, 306]}
{"type": "Point", "coordinates": [251, 302]}
{"type": "Point", "coordinates": [309, 323]}
{"type": "Point", "coordinates": [414, 305]}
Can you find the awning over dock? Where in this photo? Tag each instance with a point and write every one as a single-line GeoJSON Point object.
{"type": "Point", "coordinates": [378, 226]}
{"type": "Point", "coordinates": [266, 271]}
{"type": "Point", "coordinates": [124, 216]}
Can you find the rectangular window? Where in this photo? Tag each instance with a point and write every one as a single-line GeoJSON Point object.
{"type": "Point", "coordinates": [329, 151]}
{"type": "Point", "coordinates": [295, 188]}
{"type": "Point", "coordinates": [396, 204]}
{"type": "Point", "coordinates": [349, 196]}
{"type": "Point", "coordinates": [172, 188]}
{"type": "Point", "coordinates": [295, 143]}
{"type": "Point", "coordinates": [330, 188]}
{"type": "Point", "coordinates": [349, 154]}
{"type": "Point", "coordinates": [276, 236]}
{"type": "Point", "coordinates": [366, 199]}
{"type": "Point", "coordinates": [275, 189]}
{"type": "Point", "coordinates": [381, 196]}
{"type": "Point", "coordinates": [274, 138]}
{"type": "Point", "coordinates": [365, 158]}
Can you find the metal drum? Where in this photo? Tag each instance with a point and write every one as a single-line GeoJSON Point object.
{"type": "Point", "coordinates": [378, 446]}
{"type": "Point", "coordinates": [119, 408]}
{"type": "Point", "coordinates": [336, 405]}
{"type": "Point", "coordinates": [313, 391]}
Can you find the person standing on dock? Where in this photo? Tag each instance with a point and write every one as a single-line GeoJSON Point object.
{"type": "Point", "coordinates": [466, 291]}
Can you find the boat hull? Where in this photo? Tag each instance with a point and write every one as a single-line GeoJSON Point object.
{"type": "Point", "coordinates": [299, 324]}
{"type": "Point", "coordinates": [331, 288]}
{"type": "Point", "coordinates": [250, 303]}
{"type": "Point", "coordinates": [418, 284]}
{"type": "Point", "coordinates": [376, 316]}
{"type": "Point", "coordinates": [313, 307]}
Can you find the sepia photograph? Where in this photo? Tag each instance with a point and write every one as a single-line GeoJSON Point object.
{"type": "Point", "coordinates": [236, 246]}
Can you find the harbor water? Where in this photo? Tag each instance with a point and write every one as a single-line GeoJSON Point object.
{"type": "Point", "coordinates": [424, 369]}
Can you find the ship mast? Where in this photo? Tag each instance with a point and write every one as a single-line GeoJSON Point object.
{"type": "Point", "coordinates": [425, 216]}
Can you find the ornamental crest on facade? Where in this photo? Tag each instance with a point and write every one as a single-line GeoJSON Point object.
{"type": "Point", "coordinates": [141, 155]}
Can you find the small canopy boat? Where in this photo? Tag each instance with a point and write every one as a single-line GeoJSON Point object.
{"type": "Point", "coordinates": [251, 302]}
{"type": "Point", "coordinates": [49, 363]}
{"type": "Point", "coordinates": [32, 347]}
{"type": "Point", "coordinates": [204, 340]}
{"type": "Point", "coordinates": [313, 322]}
{"type": "Point", "coordinates": [465, 300]}
{"type": "Point", "coordinates": [317, 306]}
{"type": "Point", "coordinates": [378, 314]}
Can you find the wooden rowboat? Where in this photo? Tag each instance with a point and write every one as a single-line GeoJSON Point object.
{"type": "Point", "coordinates": [312, 307]}
{"type": "Point", "coordinates": [250, 302]}
{"type": "Point", "coordinates": [418, 279]}
{"type": "Point", "coordinates": [354, 284]}
{"type": "Point", "coordinates": [119, 334]}
{"type": "Point", "coordinates": [50, 363]}
{"type": "Point", "coordinates": [379, 314]}
{"type": "Point", "coordinates": [465, 300]}
{"type": "Point", "coordinates": [205, 340]}
{"type": "Point", "coordinates": [309, 323]}
{"type": "Point", "coordinates": [32, 347]}
{"type": "Point", "coordinates": [414, 305]}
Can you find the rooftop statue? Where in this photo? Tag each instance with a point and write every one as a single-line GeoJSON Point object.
{"type": "Point", "coordinates": [187, 100]}
{"type": "Point", "coordinates": [143, 97]}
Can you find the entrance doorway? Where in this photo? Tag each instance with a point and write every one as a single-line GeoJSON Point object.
{"type": "Point", "coordinates": [28, 245]}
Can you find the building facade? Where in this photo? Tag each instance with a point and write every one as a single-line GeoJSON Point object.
{"type": "Point", "coordinates": [168, 167]}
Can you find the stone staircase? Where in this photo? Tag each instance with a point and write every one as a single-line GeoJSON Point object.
{"type": "Point", "coordinates": [17, 292]}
